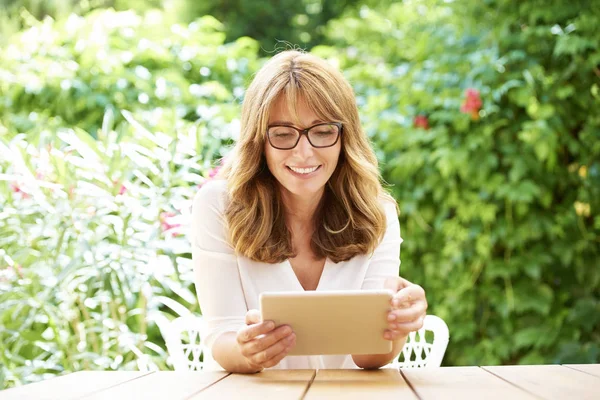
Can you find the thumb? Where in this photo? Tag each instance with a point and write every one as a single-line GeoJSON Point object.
{"type": "Point", "coordinates": [253, 317]}
{"type": "Point", "coordinates": [393, 283]}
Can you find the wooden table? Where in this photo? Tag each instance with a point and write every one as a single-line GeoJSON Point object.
{"type": "Point", "coordinates": [500, 382]}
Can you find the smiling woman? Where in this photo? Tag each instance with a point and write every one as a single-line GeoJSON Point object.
{"type": "Point", "coordinates": [299, 207]}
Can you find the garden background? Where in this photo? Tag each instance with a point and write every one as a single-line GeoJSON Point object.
{"type": "Point", "coordinates": [485, 117]}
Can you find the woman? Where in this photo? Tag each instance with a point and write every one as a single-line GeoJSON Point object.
{"type": "Point", "coordinates": [300, 207]}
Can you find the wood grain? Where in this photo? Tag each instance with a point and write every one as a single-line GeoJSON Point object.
{"type": "Point", "coordinates": [592, 369]}
{"type": "Point", "coordinates": [461, 383]}
{"type": "Point", "coordinates": [270, 384]}
{"type": "Point", "coordinates": [161, 385]}
{"type": "Point", "coordinates": [359, 384]}
{"type": "Point", "coordinates": [70, 386]}
{"type": "Point", "coordinates": [550, 381]}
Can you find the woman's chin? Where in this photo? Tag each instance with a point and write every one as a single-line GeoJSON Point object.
{"type": "Point", "coordinates": [307, 189]}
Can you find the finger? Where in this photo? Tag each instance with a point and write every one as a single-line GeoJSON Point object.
{"type": "Point", "coordinates": [407, 314]}
{"type": "Point", "coordinates": [251, 331]}
{"type": "Point", "coordinates": [408, 327]}
{"type": "Point", "coordinates": [393, 283]}
{"type": "Point", "coordinates": [253, 317]}
{"type": "Point", "coordinates": [261, 343]}
{"type": "Point", "coordinates": [278, 357]}
{"type": "Point", "coordinates": [408, 295]}
{"type": "Point", "coordinates": [264, 356]}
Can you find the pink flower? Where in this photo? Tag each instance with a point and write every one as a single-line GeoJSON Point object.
{"type": "Point", "coordinates": [122, 188]}
{"type": "Point", "coordinates": [472, 103]}
{"type": "Point", "coordinates": [166, 221]}
{"type": "Point", "coordinates": [421, 121]}
{"type": "Point", "coordinates": [213, 172]}
{"type": "Point", "coordinates": [16, 188]}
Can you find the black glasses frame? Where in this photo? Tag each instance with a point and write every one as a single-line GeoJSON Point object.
{"type": "Point", "coordinates": [305, 132]}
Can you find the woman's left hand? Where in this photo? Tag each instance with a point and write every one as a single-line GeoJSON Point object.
{"type": "Point", "coordinates": [409, 307]}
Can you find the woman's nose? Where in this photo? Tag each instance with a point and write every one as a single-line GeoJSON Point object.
{"type": "Point", "coordinates": [304, 148]}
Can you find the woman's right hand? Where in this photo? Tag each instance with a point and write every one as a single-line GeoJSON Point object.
{"type": "Point", "coordinates": [262, 344]}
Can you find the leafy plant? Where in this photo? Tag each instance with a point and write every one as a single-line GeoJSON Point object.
{"type": "Point", "coordinates": [482, 115]}
{"type": "Point", "coordinates": [99, 165]}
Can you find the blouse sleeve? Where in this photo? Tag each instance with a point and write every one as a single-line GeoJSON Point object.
{"type": "Point", "coordinates": [385, 261]}
{"type": "Point", "coordinates": [217, 277]}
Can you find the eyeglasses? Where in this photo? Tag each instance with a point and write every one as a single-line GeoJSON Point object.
{"type": "Point", "coordinates": [285, 137]}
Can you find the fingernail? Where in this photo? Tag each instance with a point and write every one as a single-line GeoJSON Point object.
{"type": "Point", "coordinates": [387, 335]}
{"type": "Point", "coordinates": [391, 317]}
{"type": "Point", "coordinates": [270, 325]}
{"type": "Point", "coordinates": [396, 302]}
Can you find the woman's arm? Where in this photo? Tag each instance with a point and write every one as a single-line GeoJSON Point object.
{"type": "Point", "coordinates": [409, 303]}
{"type": "Point", "coordinates": [409, 307]}
{"type": "Point", "coordinates": [238, 340]}
{"type": "Point", "coordinates": [374, 361]}
{"type": "Point", "coordinates": [257, 346]}
{"type": "Point", "coordinates": [216, 275]}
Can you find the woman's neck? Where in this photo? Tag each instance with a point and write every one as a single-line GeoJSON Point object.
{"type": "Point", "coordinates": [300, 210]}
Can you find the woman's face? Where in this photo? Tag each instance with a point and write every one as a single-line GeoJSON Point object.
{"type": "Point", "coordinates": [303, 158]}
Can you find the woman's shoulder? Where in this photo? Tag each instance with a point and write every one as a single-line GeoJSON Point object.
{"type": "Point", "coordinates": [389, 205]}
{"type": "Point", "coordinates": [212, 194]}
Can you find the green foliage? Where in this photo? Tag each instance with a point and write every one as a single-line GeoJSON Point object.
{"type": "Point", "coordinates": [483, 116]}
{"type": "Point", "coordinates": [499, 203]}
{"type": "Point", "coordinates": [275, 24]}
{"type": "Point", "coordinates": [107, 125]}
{"type": "Point", "coordinates": [114, 59]}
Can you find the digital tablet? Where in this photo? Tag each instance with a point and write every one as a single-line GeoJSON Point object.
{"type": "Point", "coordinates": [332, 322]}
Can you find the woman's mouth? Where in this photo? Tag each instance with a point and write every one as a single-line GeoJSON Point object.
{"type": "Point", "coordinates": [304, 172]}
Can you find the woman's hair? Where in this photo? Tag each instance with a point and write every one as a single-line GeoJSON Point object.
{"type": "Point", "coordinates": [350, 219]}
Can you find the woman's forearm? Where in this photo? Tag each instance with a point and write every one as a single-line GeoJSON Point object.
{"type": "Point", "coordinates": [227, 353]}
{"type": "Point", "coordinates": [373, 361]}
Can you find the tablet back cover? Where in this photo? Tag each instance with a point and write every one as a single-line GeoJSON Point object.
{"type": "Point", "coordinates": [341, 322]}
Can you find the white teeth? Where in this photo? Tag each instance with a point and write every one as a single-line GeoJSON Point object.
{"type": "Point", "coordinates": [304, 170]}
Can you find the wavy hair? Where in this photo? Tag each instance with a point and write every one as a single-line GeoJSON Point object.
{"type": "Point", "coordinates": [350, 219]}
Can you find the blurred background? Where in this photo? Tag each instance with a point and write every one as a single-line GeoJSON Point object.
{"type": "Point", "coordinates": [485, 117]}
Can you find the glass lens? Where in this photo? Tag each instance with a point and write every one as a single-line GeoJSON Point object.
{"type": "Point", "coordinates": [283, 137]}
{"type": "Point", "coordinates": [323, 135]}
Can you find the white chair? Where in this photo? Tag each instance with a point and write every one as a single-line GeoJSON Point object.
{"type": "Point", "coordinates": [418, 353]}
{"type": "Point", "coordinates": [182, 337]}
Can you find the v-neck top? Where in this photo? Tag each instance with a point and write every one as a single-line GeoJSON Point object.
{"type": "Point", "coordinates": [229, 284]}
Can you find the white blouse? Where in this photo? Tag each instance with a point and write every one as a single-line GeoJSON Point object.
{"type": "Point", "coordinates": [229, 284]}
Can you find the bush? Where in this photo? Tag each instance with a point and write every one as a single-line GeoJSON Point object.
{"type": "Point", "coordinates": [107, 125]}
{"type": "Point", "coordinates": [484, 119]}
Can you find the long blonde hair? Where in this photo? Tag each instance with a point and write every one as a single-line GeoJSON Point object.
{"type": "Point", "coordinates": [350, 219]}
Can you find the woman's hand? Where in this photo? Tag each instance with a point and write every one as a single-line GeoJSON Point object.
{"type": "Point", "coordinates": [409, 307]}
{"type": "Point", "coordinates": [263, 345]}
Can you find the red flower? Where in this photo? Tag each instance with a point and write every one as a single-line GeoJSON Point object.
{"type": "Point", "coordinates": [472, 103]}
{"type": "Point", "coordinates": [421, 121]}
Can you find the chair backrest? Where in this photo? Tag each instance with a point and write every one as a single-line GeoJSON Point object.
{"type": "Point", "coordinates": [418, 352]}
{"type": "Point", "coordinates": [182, 337]}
